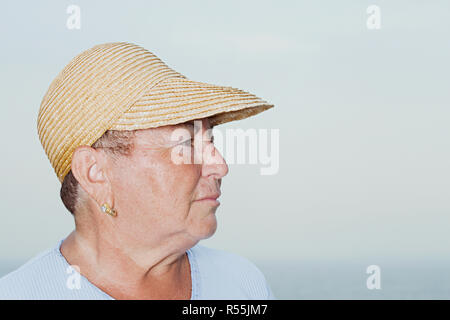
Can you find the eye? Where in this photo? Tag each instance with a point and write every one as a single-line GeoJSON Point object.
{"type": "Point", "coordinates": [188, 143]}
{"type": "Point", "coordinates": [211, 140]}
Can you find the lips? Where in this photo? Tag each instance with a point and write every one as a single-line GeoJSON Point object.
{"type": "Point", "coordinates": [210, 197]}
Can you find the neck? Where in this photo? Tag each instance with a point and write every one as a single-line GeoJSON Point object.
{"type": "Point", "coordinates": [116, 265]}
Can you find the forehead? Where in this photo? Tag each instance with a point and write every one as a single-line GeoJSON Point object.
{"type": "Point", "coordinates": [164, 133]}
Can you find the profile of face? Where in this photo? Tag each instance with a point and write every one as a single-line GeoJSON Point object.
{"type": "Point", "coordinates": [157, 198]}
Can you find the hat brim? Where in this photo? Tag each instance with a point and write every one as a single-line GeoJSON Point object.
{"type": "Point", "coordinates": [178, 99]}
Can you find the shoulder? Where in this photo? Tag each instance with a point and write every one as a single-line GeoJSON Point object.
{"type": "Point", "coordinates": [20, 283]}
{"type": "Point", "coordinates": [47, 276]}
{"type": "Point", "coordinates": [232, 272]}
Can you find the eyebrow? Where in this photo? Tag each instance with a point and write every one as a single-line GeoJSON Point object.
{"type": "Point", "coordinates": [190, 126]}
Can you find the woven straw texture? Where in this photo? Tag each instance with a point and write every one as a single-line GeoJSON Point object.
{"type": "Point", "coordinates": [122, 86]}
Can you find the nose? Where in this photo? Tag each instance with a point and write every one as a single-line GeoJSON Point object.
{"type": "Point", "coordinates": [213, 162]}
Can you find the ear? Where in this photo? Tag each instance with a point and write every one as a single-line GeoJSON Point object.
{"type": "Point", "coordinates": [89, 168]}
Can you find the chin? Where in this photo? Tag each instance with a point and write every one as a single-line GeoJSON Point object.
{"type": "Point", "coordinates": [207, 226]}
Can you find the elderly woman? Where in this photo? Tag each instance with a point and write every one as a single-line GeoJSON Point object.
{"type": "Point", "coordinates": [114, 125]}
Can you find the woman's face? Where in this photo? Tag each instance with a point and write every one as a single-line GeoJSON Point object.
{"type": "Point", "coordinates": [155, 197]}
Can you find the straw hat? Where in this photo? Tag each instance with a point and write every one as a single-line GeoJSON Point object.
{"type": "Point", "coordinates": [122, 86]}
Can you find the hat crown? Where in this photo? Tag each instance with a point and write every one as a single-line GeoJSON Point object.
{"type": "Point", "coordinates": [90, 93]}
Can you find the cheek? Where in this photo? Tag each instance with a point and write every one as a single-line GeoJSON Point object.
{"type": "Point", "coordinates": [132, 187]}
{"type": "Point", "coordinates": [157, 186]}
{"type": "Point", "coordinates": [167, 185]}
{"type": "Point", "coordinates": [179, 182]}
{"type": "Point", "coordinates": [176, 186]}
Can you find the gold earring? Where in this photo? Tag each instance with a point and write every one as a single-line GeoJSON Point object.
{"type": "Point", "coordinates": [107, 209]}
